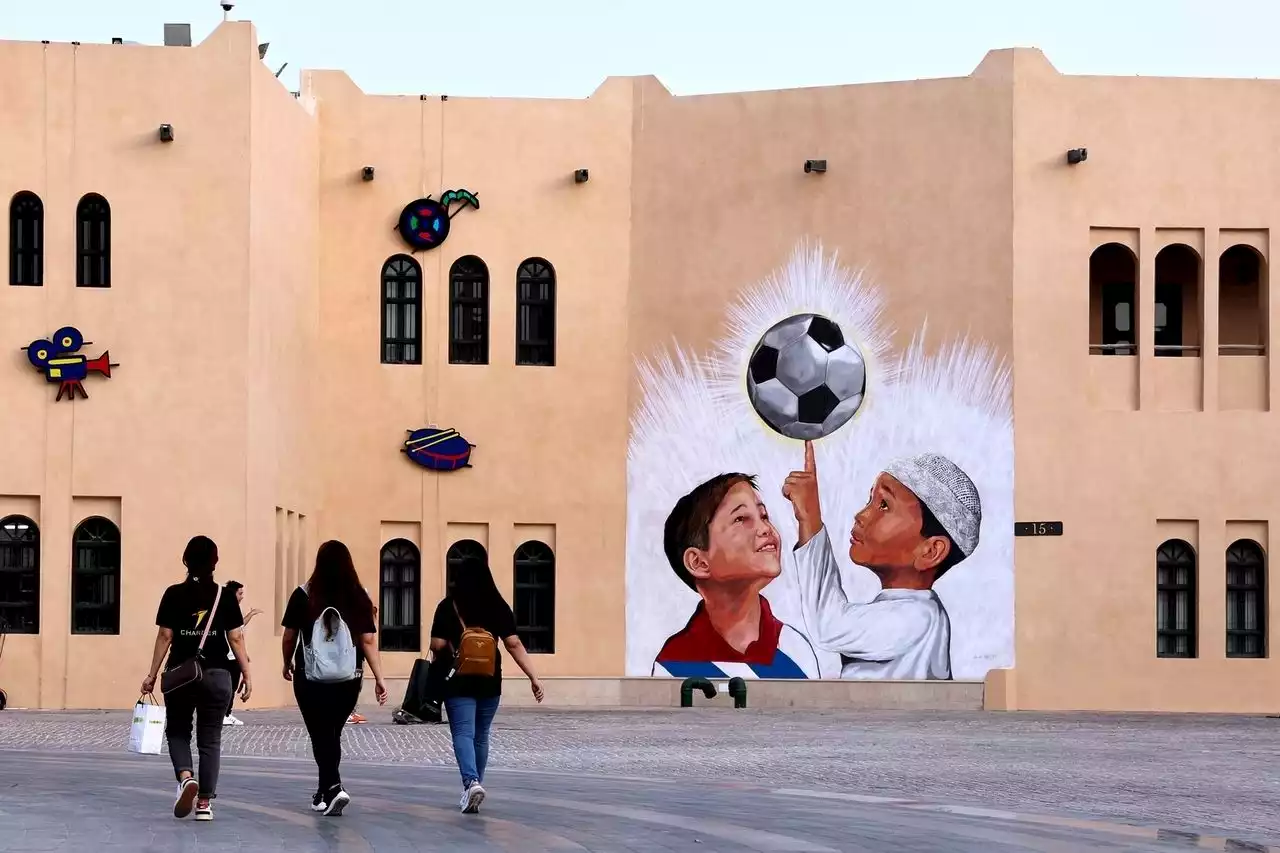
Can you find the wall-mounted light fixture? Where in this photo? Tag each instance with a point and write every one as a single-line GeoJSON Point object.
{"type": "Point", "coordinates": [366, 174]}
{"type": "Point", "coordinates": [262, 49]}
{"type": "Point", "coordinates": [166, 133]}
{"type": "Point", "coordinates": [815, 166]}
{"type": "Point", "coordinates": [1075, 156]}
{"type": "Point", "coordinates": [580, 176]}
{"type": "Point", "coordinates": [117, 40]}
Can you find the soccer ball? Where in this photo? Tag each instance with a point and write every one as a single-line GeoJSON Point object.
{"type": "Point", "coordinates": [804, 379]}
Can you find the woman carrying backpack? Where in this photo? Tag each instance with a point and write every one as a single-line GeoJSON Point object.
{"type": "Point", "coordinates": [332, 615]}
{"type": "Point", "coordinates": [198, 627]}
{"type": "Point", "coordinates": [464, 630]}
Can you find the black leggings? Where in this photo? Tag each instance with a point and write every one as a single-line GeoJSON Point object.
{"type": "Point", "coordinates": [325, 708]}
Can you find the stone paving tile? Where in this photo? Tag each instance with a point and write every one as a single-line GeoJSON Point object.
{"type": "Point", "coordinates": [1193, 773]}
{"type": "Point", "coordinates": [47, 806]}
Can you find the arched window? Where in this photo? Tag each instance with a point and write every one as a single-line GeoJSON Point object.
{"type": "Point", "coordinates": [26, 240]}
{"type": "Point", "coordinates": [1113, 281]}
{"type": "Point", "coordinates": [401, 311]}
{"type": "Point", "coordinates": [456, 559]}
{"type": "Point", "coordinates": [93, 242]}
{"type": "Point", "coordinates": [95, 578]}
{"type": "Point", "coordinates": [468, 311]}
{"type": "Point", "coordinates": [19, 575]}
{"type": "Point", "coordinates": [535, 598]}
{"type": "Point", "coordinates": [536, 313]}
{"type": "Point", "coordinates": [1178, 304]}
{"type": "Point", "coordinates": [1246, 600]}
{"type": "Point", "coordinates": [1242, 303]}
{"type": "Point", "coordinates": [1175, 600]}
{"type": "Point", "coordinates": [399, 624]}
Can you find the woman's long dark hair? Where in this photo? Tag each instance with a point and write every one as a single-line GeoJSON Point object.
{"type": "Point", "coordinates": [474, 591]}
{"type": "Point", "coordinates": [200, 558]}
{"type": "Point", "coordinates": [334, 583]}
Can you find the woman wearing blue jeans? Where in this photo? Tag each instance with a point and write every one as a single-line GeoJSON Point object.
{"type": "Point", "coordinates": [471, 701]}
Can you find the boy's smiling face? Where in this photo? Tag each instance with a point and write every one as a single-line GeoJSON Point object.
{"type": "Point", "coordinates": [887, 537]}
{"type": "Point", "coordinates": [743, 545]}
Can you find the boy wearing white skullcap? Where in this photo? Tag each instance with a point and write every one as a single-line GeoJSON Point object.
{"type": "Point", "coordinates": [923, 517]}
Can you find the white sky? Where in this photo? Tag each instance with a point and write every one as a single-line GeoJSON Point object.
{"type": "Point", "coordinates": [565, 48]}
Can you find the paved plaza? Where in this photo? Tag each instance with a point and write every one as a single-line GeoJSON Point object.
{"type": "Point", "coordinates": [673, 780]}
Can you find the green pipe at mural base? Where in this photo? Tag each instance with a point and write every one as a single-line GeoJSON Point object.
{"type": "Point", "coordinates": [691, 684]}
{"type": "Point", "coordinates": [737, 689]}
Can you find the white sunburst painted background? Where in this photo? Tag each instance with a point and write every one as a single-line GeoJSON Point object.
{"type": "Point", "coordinates": [695, 421]}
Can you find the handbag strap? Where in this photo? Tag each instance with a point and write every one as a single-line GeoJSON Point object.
{"type": "Point", "coordinates": [458, 613]}
{"type": "Point", "coordinates": [209, 624]}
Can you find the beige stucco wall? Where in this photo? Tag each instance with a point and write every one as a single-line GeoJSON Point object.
{"type": "Point", "coordinates": [1160, 170]}
{"type": "Point", "coordinates": [250, 404]}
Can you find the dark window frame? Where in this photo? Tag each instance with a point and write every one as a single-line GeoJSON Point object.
{"type": "Point", "coordinates": [20, 559]}
{"type": "Point", "coordinates": [401, 348]}
{"type": "Point", "coordinates": [405, 633]}
{"type": "Point", "coordinates": [469, 311]}
{"type": "Point", "coordinates": [95, 577]}
{"type": "Point", "coordinates": [1242, 556]}
{"type": "Point", "coordinates": [1174, 555]}
{"type": "Point", "coordinates": [93, 241]}
{"type": "Point", "coordinates": [456, 555]}
{"type": "Point", "coordinates": [26, 240]}
{"type": "Point", "coordinates": [534, 601]}
{"type": "Point", "coordinates": [536, 313]}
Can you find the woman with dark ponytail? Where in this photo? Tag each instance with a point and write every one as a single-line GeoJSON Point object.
{"type": "Point", "coordinates": [471, 623]}
{"type": "Point", "coordinates": [200, 630]}
{"type": "Point", "coordinates": [331, 609]}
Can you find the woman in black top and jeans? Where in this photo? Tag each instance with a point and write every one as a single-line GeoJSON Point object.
{"type": "Point", "coordinates": [471, 701]}
{"type": "Point", "coordinates": [326, 706]}
{"type": "Point", "coordinates": [182, 620]}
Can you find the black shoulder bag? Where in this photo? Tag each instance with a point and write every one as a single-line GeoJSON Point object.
{"type": "Point", "coordinates": [190, 671]}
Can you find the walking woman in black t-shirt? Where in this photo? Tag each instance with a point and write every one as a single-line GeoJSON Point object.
{"type": "Point", "coordinates": [325, 706]}
{"type": "Point", "coordinates": [471, 701]}
{"type": "Point", "coordinates": [183, 619]}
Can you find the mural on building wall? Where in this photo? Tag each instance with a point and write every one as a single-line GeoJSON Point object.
{"type": "Point", "coordinates": [806, 502]}
{"type": "Point", "coordinates": [438, 449]}
{"type": "Point", "coordinates": [424, 224]}
{"type": "Point", "coordinates": [60, 360]}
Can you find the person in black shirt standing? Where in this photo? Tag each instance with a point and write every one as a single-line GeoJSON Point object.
{"type": "Point", "coordinates": [325, 707]}
{"type": "Point", "coordinates": [237, 589]}
{"type": "Point", "coordinates": [471, 701]}
{"type": "Point", "coordinates": [182, 619]}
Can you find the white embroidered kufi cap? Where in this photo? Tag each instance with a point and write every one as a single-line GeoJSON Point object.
{"type": "Point", "coordinates": [948, 493]}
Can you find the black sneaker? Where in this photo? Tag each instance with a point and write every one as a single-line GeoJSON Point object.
{"type": "Point", "coordinates": [318, 803]}
{"type": "Point", "coordinates": [338, 800]}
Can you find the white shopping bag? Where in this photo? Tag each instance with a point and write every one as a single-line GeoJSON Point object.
{"type": "Point", "coordinates": [146, 736]}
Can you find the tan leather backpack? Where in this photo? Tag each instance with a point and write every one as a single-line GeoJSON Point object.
{"type": "Point", "coordinates": [477, 651]}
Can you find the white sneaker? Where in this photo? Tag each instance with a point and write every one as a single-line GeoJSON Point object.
{"type": "Point", "coordinates": [187, 790]}
{"type": "Point", "coordinates": [232, 720]}
{"type": "Point", "coordinates": [471, 799]}
{"type": "Point", "coordinates": [339, 802]}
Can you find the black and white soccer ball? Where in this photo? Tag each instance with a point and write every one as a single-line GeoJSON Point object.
{"type": "Point", "coordinates": [804, 378]}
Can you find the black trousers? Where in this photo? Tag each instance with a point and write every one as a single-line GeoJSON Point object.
{"type": "Point", "coordinates": [325, 708]}
{"type": "Point", "coordinates": [206, 701]}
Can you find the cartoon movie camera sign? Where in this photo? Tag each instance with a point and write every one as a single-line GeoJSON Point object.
{"type": "Point", "coordinates": [60, 360]}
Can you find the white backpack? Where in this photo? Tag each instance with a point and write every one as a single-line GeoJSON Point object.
{"type": "Point", "coordinates": [330, 658]}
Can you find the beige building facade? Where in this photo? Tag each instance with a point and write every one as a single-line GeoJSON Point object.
{"type": "Point", "coordinates": [272, 337]}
